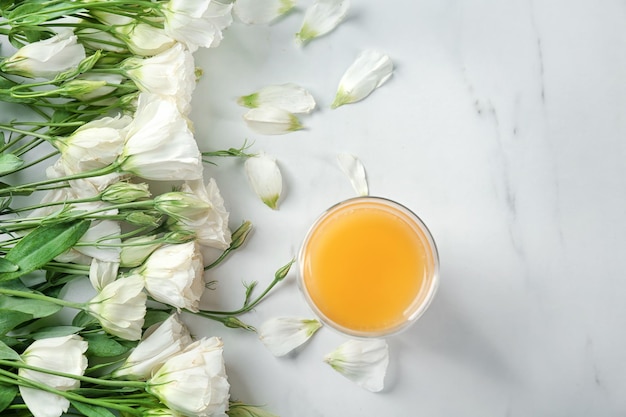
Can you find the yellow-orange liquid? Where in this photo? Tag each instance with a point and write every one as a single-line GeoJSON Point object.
{"type": "Point", "coordinates": [364, 265]}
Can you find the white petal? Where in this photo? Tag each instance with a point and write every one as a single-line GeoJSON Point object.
{"type": "Point", "coordinates": [362, 361]}
{"type": "Point", "coordinates": [368, 72]}
{"type": "Point", "coordinates": [290, 97]}
{"type": "Point", "coordinates": [322, 17]}
{"type": "Point", "coordinates": [102, 273]}
{"type": "Point", "coordinates": [281, 335]}
{"type": "Point", "coordinates": [43, 403]}
{"type": "Point", "coordinates": [256, 12]}
{"type": "Point", "coordinates": [265, 178]}
{"type": "Point", "coordinates": [269, 120]}
{"type": "Point", "coordinates": [355, 171]}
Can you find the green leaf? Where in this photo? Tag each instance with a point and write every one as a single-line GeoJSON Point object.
{"type": "Point", "coordinates": [36, 308]}
{"type": "Point", "coordinates": [7, 395]}
{"type": "Point", "coordinates": [103, 346]}
{"type": "Point", "coordinates": [10, 319]}
{"type": "Point", "coordinates": [42, 245]}
{"type": "Point", "coordinates": [7, 353]}
{"type": "Point", "coordinates": [7, 266]}
{"type": "Point", "coordinates": [9, 163]}
{"type": "Point", "coordinates": [55, 331]}
{"type": "Point", "coordinates": [91, 410]}
{"type": "Point", "coordinates": [84, 319]}
{"type": "Point", "coordinates": [154, 317]}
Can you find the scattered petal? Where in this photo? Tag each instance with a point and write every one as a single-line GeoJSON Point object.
{"type": "Point", "coordinates": [355, 171]}
{"type": "Point", "coordinates": [255, 12]}
{"type": "Point", "coordinates": [370, 70]}
{"type": "Point", "coordinates": [269, 120]}
{"type": "Point", "coordinates": [290, 97]}
{"type": "Point", "coordinates": [362, 361]}
{"type": "Point", "coordinates": [281, 335]}
{"type": "Point", "coordinates": [322, 17]}
{"type": "Point", "coordinates": [265, 178]}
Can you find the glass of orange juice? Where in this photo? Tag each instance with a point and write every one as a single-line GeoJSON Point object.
{"type": "Point", "coordinates": [368, 267]}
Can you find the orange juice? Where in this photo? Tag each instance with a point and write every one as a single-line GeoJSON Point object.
{"type": "Point", "coordinates": [368, 266]}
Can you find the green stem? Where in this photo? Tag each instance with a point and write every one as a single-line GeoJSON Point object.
{"type": "Point", "coordinates": [41, 297]}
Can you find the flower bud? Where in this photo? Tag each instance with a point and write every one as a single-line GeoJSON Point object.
{"type": "Point", "coordinates": [144, 218]}
{"type": "Point", "coordinates": [125, 192]}
{"type": "Point", "coordinates": [179, 236]}
{"type": "Point", "coordinates": [137, 249]}
{"type": "Point", "coordinates": [182, 207]}
{"type": "Point", "coordinates": [240, 235]}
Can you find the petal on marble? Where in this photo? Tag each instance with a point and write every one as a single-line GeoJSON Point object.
{"type": "Point", "coordinates": [265, 178]}
{"type": "Point", "coordinates": [369, 71]}
{"type": "Point", "coordinates": [290, 97]}
{"type": "Point", "coordinates": [269, 120]}
{"type": "Point", "coordinates": [256, 12]}
{"type": "Point", "coordinates": [355, 171]}
{"type": "Point", "coordinates": [362, 361]}
{"type": "Point", "coordinates": [322, 17]}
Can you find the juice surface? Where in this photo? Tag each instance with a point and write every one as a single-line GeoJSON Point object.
{"type": "Point", "coordinates": [363, 266]}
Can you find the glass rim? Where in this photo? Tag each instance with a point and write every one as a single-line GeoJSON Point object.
{"type": "Point", "coordinates": [425, 295]}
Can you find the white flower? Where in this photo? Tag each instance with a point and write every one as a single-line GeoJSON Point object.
{"type": "Point", "coordinates": [109, 84]}
{"type": "Point", "coordinates": [137, 249]}
{"type": "Point", "coordinates": [121, 307]}
{"type": "Point", "coordinates": [61, 354]}
{"type": "Point", "coordinates": [160, 342]}
{"type": "Point", "coordinates": [269, 120]}
{"type": "Point", "coordinates": [213, 230]}
{"type": "Point", "coordinates": [281, 335]}
{"type": "Point", "coordinates": [362, 361]}
{"type": "Point", "coordinates": [369, 71]}
{"type": "Point", "coordinates": [354, 170]}
{"type": "Point", "coordinates": [154, 75]}
{"type": "Point", "coordinates": [194, 382]}
{"type": "Point", "coordinates": [322, 17]}
{"type": "Point", "coordinates": [290, 97]}
{"type": "Point", "coordinates": [265, 178]}
{"type": "Point", "coordinates": [144, 39]}
{"type": "Point", "coordinates": [93, 145]}
{"type": "Point", "coordinates": [160, 146]}
{"type": "Point", "coordinates": [174, 275]}
{"type": "Point", "coordinates": [255, 12]}
{"type": "Point", "coordinates": [197, 23]}
{"type": "Point", "coordinates": [102, 273]}
{"type": "Point", "coordinates": [46, 58]}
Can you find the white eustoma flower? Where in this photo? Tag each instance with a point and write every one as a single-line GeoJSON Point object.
{"type": "Point", "coordinates": [93, 145]}
{"type": "Point", "coordinates": [194, 382]}
{"type": "Point", "coordinates": [144, 39]}
{"type": "Point", "coordinates": [255, 12]}
{"type": "Point", "coordinates": [354, 170]}
{"type": "Point", "coordinates": [369, 71]}
{"type": "Point", "coordinates": [159, 144]}
{"type": "Point", "coordinates": [174, 275]}
{"type": "Point", "coordinates": [160, 342]}
{"type": "Point", "coordinates": [265, 178]}
{"type": "Point", "coordinates": [290, 97]}
{"type": "Point", "coordinates": [213, 230]}
{"type": "Point", "coordinates": [362, 361]}
{"type": "Point", "coordinates": [121, 307]}
{"type": "Point", "coordinates": [197, 23]}
{"type": "Point", "coordinates": [102, 273]}
{"type": "Point", "coordinates": [137, 249]}
{"type": "Point", "coordinates": [61, 354]}
{"type": "Point", "coordinates": [46, 58]}
{"type": "Point", "coordinates": [281, 335]}
{"type": "Point", "coordinates": [269, 120]}
{"type": "Point", "coordinates": [154, 75]}
{"type": "Point", "coordinates": [322, 17]}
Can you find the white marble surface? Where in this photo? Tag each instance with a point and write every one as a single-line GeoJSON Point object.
{"type": "Point", "coordinates": [503, 128]}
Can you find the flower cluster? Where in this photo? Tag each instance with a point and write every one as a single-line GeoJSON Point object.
{"type": "Point", "coordinates": [106, 88]}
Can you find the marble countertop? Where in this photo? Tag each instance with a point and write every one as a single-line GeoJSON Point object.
{"type": "Point", "coordinates": [503, 128]}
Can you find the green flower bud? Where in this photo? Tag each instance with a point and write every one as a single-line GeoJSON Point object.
{"type": "Point", "coordinates": [125, 192]}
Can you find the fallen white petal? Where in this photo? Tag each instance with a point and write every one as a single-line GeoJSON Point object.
{"type": "Point", "coordinates": [290, 97]}
{"type": "Point", "coordinates": [265, 178]}
{"type": "Point", "coordinates": [362, 361]}
{"type": "Point", "coordinates": [369, 71]}
{"type": "Point", "coordinates": [269, 120]}
{"type": "Point", "coordinates": [353, 168]}
{"type": "Point", "coordinates": [258, 12]}
{"type": "Point", "coordinates": [281, 335]}
{"type": "Point", "coordinates": [322, 17]}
